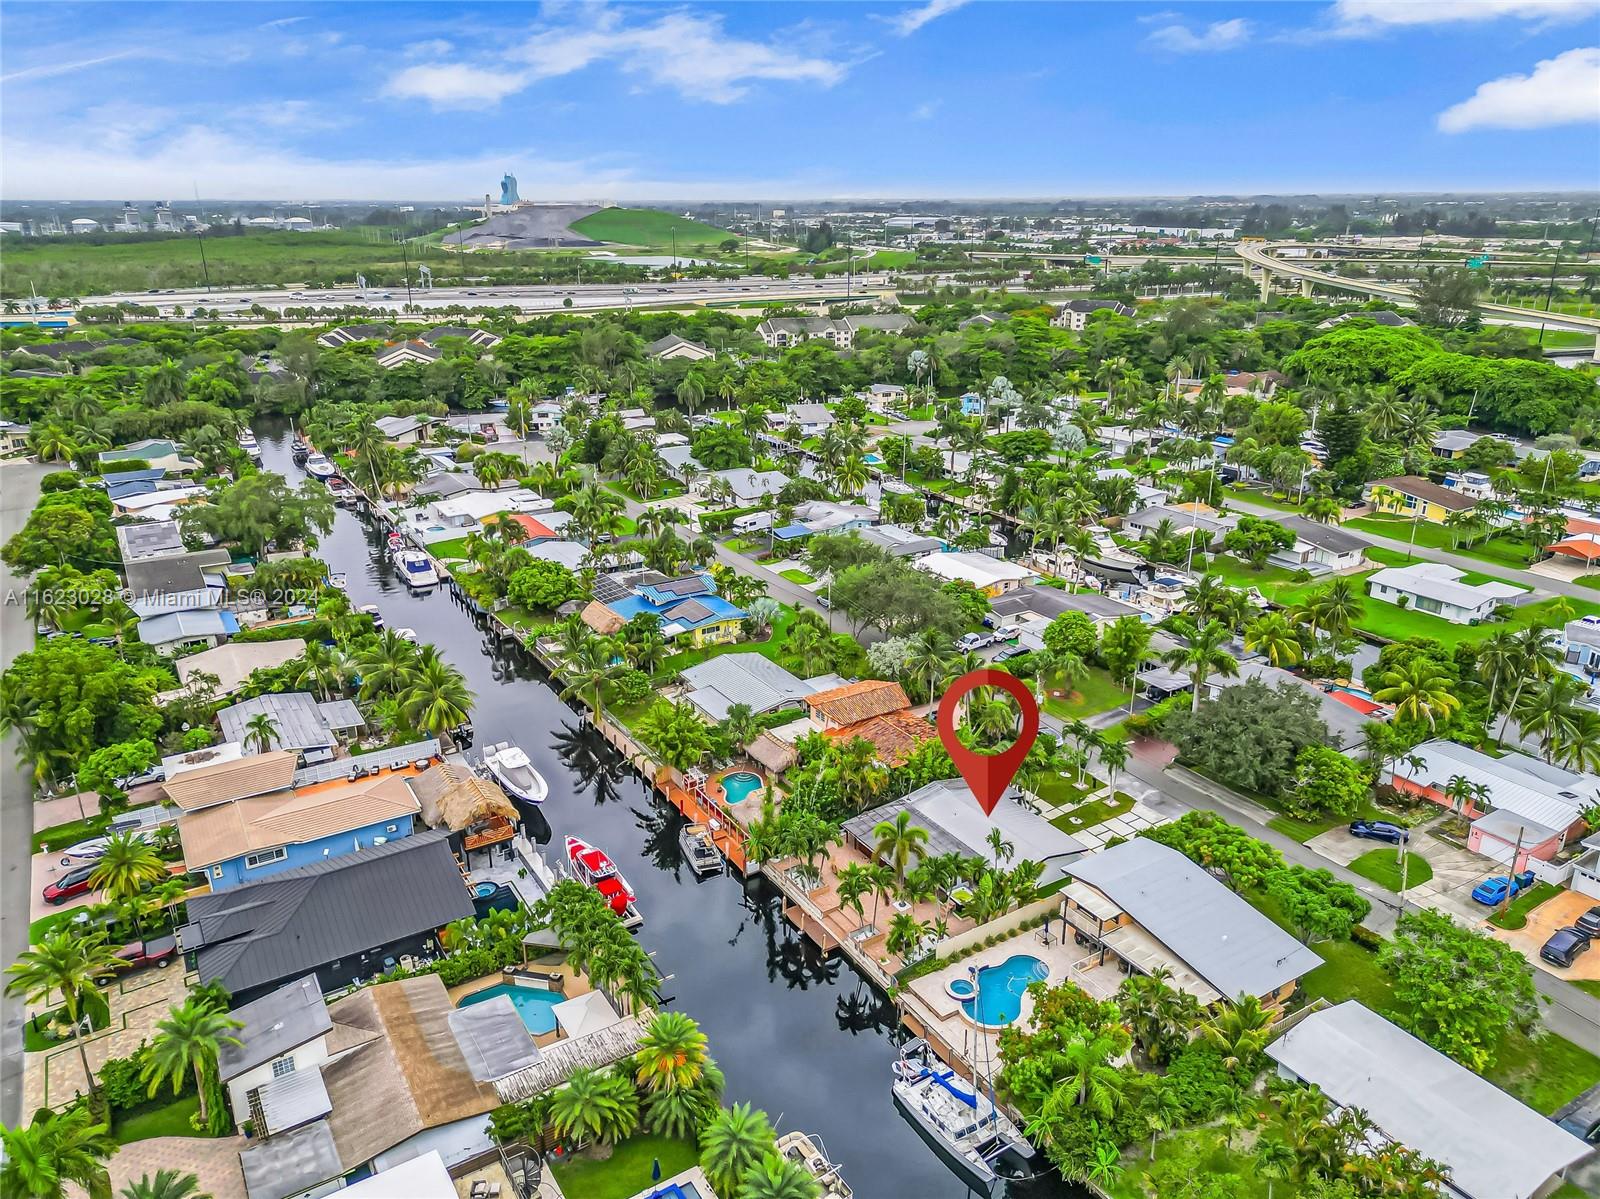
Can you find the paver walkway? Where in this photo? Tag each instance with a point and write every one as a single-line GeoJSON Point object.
{"type": "Point", "coordinates": [212, 1160]}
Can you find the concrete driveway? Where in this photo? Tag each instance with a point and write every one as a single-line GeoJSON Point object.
{"type": "Point", "coordinates": [1455, 871]}
{"type": "Point", "coordinates": [1558, 912]}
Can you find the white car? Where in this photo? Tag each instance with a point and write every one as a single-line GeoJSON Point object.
{"type": "Point", "coordinates": [975, 641]}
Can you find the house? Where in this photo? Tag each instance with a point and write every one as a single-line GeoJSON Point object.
{"type": "Point", "coordinates": [155, 503]}
{"type": "Point", "coordinates": [900, 541]}
{"type": "Point", "coordinates": [467, 511]}
{"type": "Point", "coordinates": [1120, 440]}
{"type": "Point", "coordinates": [1437, 589]}
{"type": "Point", "coordinates": [813, 420]}
{"type": "Point", "coordinates": [1454, 443]}
{"type": "Point", "coordinates": [1150, 907]}
{"type": "Point", "coordinates": [1527, 808]}
{"type": "Point", "coordinates": [1319, 545]}
{"type": "Point", "coordinates": [887, 722]}
{"type": "Point", "coordinates": [57, 350]}
{"type": "Point", "coordinates": [715, 685]}
{"type": "Point", "coordinates": [1247, 383]}
{"type": "Point", "coordinates": [13, 437]}
{"type": "Point", "coordinates": [406, 430]}
{"type": "Point", "coordinates": [232, 664]}
{"type": "Point", "coordinates": [342, 919]}
{"type": "Point", "coordinates": [346, 334]}
{"type": "Point", "coordinates": [688, 608]}
{"type": "Point", "coordinates": [1075, 314]}
{"type": "Point", "coordinates": [826, 516]}
{"type": "Point", "coordinates": [152, 539]}
{"type": "Point", "coordinates": [883, 396]}
{"type": "Point", "coordinates": [156, 452]}
{"type": "Point", "coordinates": [300, 722]}
{"type": "Point", "coordinates": [408, 353]}
{"type": "Point", "coordinates": [482, 338]}
{"type": "Point", "coordinates": [1491, 1145]}
{"type": "Point", "coordinates": [973, 404]}
{"type": "Point", "coordinates": [284, 1032]}
{"type": "Point", "coordinates": [544, 416]}
{"type": "Point", "coordinates": [680, 462]}
{"type": "Point", "coordinates": [991, 576]}
{"type": "Point", "coordinates": [1579, 646]}
{"type": "Point", "coordinates": [840, 707]}
{"type": "Point", "coordinates": [188, 581]}
{"type": "Point", "coordinates": [222, 773]}
{"type": "Point", "coordinates": [1408, 495]}
{"type": "Point", "coordinates": [780, 332]}
{"type": "Point", "coordinates": [947, 810]}
{"type": "Point", "coordinates": [245, 840]}
{"type": "Point", "coordinates": [570, 554]}
{"type": "Point", "coordinates": [635, 419]}
{"type": "Point", "coordinates": [170, 632]}
{"type": "Point", "coordinates": [984, 320]}
{"type": "Point", "coordinates": [748, 487]}
{"type": "Point", "coordinates": [1378, 316]}
{"type": "Point", "coordinates": [673, 346]}
{"type": "Point", "coordinates": [531, 530]}
{"type": "Point", "coordinates": [1207, 527]}
{"type": "Point", "coordinates": [1586, 868]}
{"type": "Point", "coordinates": [1034, 601]}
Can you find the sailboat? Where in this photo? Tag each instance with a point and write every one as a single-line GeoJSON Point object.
{"type": "Point", "coordinates": [966, 1129]}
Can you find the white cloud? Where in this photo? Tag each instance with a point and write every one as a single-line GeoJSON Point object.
{"type": "Point", "coordinates": [47, 70]}
{"type": "Point", "coordinates": [432, 48]}
{"type": "Point", "coordinates": [925, 111]}
{"type": "Point", "coordinates": [1219, 35]}
{"type": "Point", "coordinates": [456, 85]}
{"type": "Point", "coordinates": [288, 114]}
{"type": "Point", "coordinates": [1563, 90]}
{"type": "Point", "coordinates": [912, 19]}
{"type": "Point", "coordinates": [1372, 16]}
{"type": "Point", "coordinates": [281, 23]}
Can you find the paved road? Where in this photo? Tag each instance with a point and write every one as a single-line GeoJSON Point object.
{"type": "Point", "coordinates": [19, 489]}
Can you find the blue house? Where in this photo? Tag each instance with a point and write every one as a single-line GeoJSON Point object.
{"type": "Point", "coordinates": [240, 841]}
{"type": "Point", "coordinates": [688, 608]}
{"type": "Point", "coordinates": [973, 404]}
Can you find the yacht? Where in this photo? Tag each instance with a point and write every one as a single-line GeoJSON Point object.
{"type": "Point", "coordinates": [416, 568]}
{"type": "Point", "coordinates": [511, 769]}
{"type": "Point", "coordinates": [962, 1124]}
{"type": "Point", "coordinates": [299, 452]}
{"type": "Point", "coordinates": [318, 467]}
{"type": "Point", "coordinates": [342, 492]}
{"type": "Point", "coordinates": [806, 1151]}
{"type": "Point", "coordinates": [700, 849]}
{"type": "Point", "coordinates": [247, 443]}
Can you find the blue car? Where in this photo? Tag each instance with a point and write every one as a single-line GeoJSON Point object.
{"type": "Point", "coordinates": [1493, 890]}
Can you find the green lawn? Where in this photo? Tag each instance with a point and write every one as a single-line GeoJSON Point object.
{"type": "Point", "coordinates": [650, 229]}
{"type": "Point", "coordinates": [1589, 986]}
{"type": "Point", "coordinates": [1396, 623]}
{"type": "Point", "coordinates": [1252, 496]}
{"type": "Point", "coordinates": [1499, 549]}
{"type": "Point", "coordinates": [1383, 867]}
{"type": "Point", "coordinates": [771, 647]}
{"type": "Point", "coordinates": [1096, 692]}
{"type": "Point", "coordinates": [627, 1171]}
{"type": "Point", "coordinates": [454, 547]}
{"type": "Point", "coordinates": [1348, 971]}
{"type": "Point", "coordinates": [1061, 790]}
{"type": "Point", "coordinates": [59, 836]}
{"type": "Point", "coordinates": [161, 1117]}
{"type": "Point", "coordinates": [797, 576]}
{"type": "Point", "coordinates": [1516, 913]}
{"type": "Point", "coordinates": [35, 1040]}
{"type": "Point", "coordinates": [1096, 811]}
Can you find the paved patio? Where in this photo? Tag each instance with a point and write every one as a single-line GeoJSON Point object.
{"type": "Point", "coordinates": [214, 1161]}
{"type": "Point", "coordinates": [1557, 912]}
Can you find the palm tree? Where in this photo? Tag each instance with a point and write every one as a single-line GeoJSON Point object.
{"type": "Point", "coordinates": [598, 1105]}
{"type": "Point", "coordinates": [1239, 1031]}
{"type": "Point", "coordinates": [777, 1177]}
{"type": "Point", "coordinates": [1087, 1074]}
{"type": "Point", "coordinates": [388, 666]}
{"type": "Point", "coordinates": [437, 697]}
{"type": "Point", "coordinates": [1113, 753]}
{"type": "Point", "coordinates": [897, 840]}
{"type": "Point", "coordinates": [589, 670]}
{"type": "Point", "coordinates": [1533, 663]}
{"type": "Point", "coordinates": [260, 731]}
{"type": "Point", "coordinates": [927, 659]}
{"type": "Point", "coordinates": [1419, 691]}
{"type": "Point", "coordinates": [56, 1150]}
{"type": "Point", "coordinates": [905, 933]}
{"type": "Point", "coordinates": [1274, 1160]}
{"type": "Point", "coordinates": [672, 1054]}
{"type": "Point", "coordinates": [1549, 712]}
{"type": "Point", "coordinates": [1203, 656]}
{"type": "Point", "coordinates": [1577, 745]}
{"type": "Point", "coordinates": [1335, 607]}
{"type": "Point", "coordinates": [850, 884]}
{"type": "Point", "coordinates": [167, 1184]}
{"type": "Point", "coordinates": [188, 1041]}
{"type": "Point", "coordinates": [64, 964]}
{"type": "Point", "coordinates": [732, 1144]}
{"type": "Point", "coordinates": [129, 865]}
{"type": "Point", "coordinates": [1274, 635]}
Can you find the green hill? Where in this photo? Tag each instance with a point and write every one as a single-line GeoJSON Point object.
{"type": "Point", "coordinates": [650, 229]}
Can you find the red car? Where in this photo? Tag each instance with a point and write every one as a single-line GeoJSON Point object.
{"type": "Point", "coordinates": [159, 951]}
{"type": "Point", "coordinates": [73, 882]}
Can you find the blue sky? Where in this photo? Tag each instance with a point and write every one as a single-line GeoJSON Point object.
{"type": "Point", "coordinates": [768, 101]}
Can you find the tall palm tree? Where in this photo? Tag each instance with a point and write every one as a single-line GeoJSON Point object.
{"type": "Point", "coordinates": [260, 731]}
{"type": "Point", "coordinates": [68, 965]}
{"type": "Point", "coordinates": [598, 1105]}
{"type": "Point", "coordinates": [1418, 691]}
{"type": "Point", "coordinates": [56, 1150]}
{"type": "Point", "coordinates": [927, 658]}
{"type": "Point", "coordinates": [733, 1143]}
{"type": "Point", "coordinates": [437, 698]}
{"type": "Point", "coordinates": [167, 1184]}
{"type": "Point", "coordinates": [1336, 606]}
{"type": "Point", "coordinates": [1274, 1160]}
{"type": "Point", "coordinates": [589, 670]}
{"type": "Point", "coordinates": [1548, 712]}
{"type": "Point", "coordinates": [1203, 656]}
{"type": "Point", "coordinates": [388, 666]}
{"type": "Point", "coordinates": [188, 1041]}
{"type": "Point", "coordinates": [1534, 662]}
{"type": "Point", "coordinates": [1274, 635]}
{"type": "Point", "coordinates": [129, 865]}
{"type": "Point", "coordinates": [851, 883]}
{"type": "Point", "coordinates": [897, 840]}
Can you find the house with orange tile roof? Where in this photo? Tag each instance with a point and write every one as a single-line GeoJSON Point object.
{"type": "Point", "coordinates": [855, 702]}
{"type": "Point", "coordinates": [894, 736]}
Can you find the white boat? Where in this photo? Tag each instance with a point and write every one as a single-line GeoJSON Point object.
{"type": "Point", "coordinates": [377, 616]}
{"type": "Point", "coordinates": [318, 467]}
{"type": "Point", "coordinates": [512, 770]}
{"type": "Point", "coordinates": [416, 568]}
{"type": "Point", "coordinates": [406, 635]}
{"type": "Point", "coordinates": [700, 850]}
{"type": "Point", "coordinates": [594, 868]}
{"type": "Point", "coordinates": [338, 581]}
{"type": "Point", "coordinates": [807, 1152]}
{"type": "Point", "coordinates": [247, 443]}
{"type": "Point", "coordinates": [341, 491]}
{"type": "Point", "coordinates": [91, 850]}
{"type": "Point", "coordinates": [962, 1124]}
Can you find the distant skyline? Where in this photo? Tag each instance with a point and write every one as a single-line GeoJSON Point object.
{"type": "Point", "coordinates": [707, 102]}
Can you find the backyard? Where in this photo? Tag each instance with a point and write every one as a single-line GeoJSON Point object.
{"type": "Point", "coordinates": [1096, 692]}
{"type": "Point", "coordinates": [628, 1170]}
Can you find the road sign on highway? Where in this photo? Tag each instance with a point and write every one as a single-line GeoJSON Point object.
{"type": "Point", "coordinates": [1092, 259]}
{"type": "Point", "coordinates": [1478, 261]}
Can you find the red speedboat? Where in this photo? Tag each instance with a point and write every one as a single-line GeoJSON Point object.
{"type": "Point", "coordinates": [594, 867]}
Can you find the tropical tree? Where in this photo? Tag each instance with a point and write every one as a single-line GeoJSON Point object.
{"type": "Point", "coordinates": [734, 1142]}
{"type": "Point", "coordinates": [672, 1054]}
{"type": "Point", "coordinates": [589, 669]}
{"type": "Point", "coordinates": [905, 933]}
{"type": "Point", "coordinates": [129, 865]}
{"type": "Point", "coordinates": [56, 1151]}
{"type": "Point", "coordinates": [437, 697]}
{"type": "Point", "coordinates": [1240, 1030]}
{"type": "Point", "coordinates": [1202, 655]}
{"type": "Point", "coordinates": [188, 1041]}
{"type": "Point", "coordinates": [1419, 691]}
{"type": "Point", "coordinates": [61, 963]}
{"type": "Point", "coordinates": [1088, 1075]}
{"type": "Point", "coordinates": [388, 666]}
{"type": "Point", "coordinates": [895, 841]}
{"type": "Point", "coordinates": [167, 1184]}
{"type": "Point", "coordinates": [595, 1105]}
{"type": "Point", "coordinates": [260, 731]}
{"type": "Point", "coordinates": [1274, 635]}
{"type": "Point", "coordinates": [776, 1177]}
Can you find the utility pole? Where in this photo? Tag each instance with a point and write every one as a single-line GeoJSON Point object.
{"type": "Point", "coordinates": [406, 258]}
{"type": "Point", "coordinates": [1550, 292]}
{"type": "Point", "coordinates": [1505, 900]}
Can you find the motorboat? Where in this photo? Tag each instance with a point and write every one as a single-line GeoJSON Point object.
{"type": "Point", "coordinates": [247, 443]}
{"type": "Point", "coordinates": [416, 568]}
{"type": "Point", "coordinates": [962, 1124]}
{"type": "Point", "coordinates": [377, 616]}
{"type": "Point", "coordinates": [342, 492]}
{"type": "Point", "coordinates": [299, 452]}
{"type": "Point", "coordinates": [91, 850]}
{"type": "Point", "coordinates": [511, 768]}
{"type": "Point", "coordinates": [407, 635]}
{"type": "Point", "coordinates": [338, 581]}
{"type": "Point", "coordinates": [700, 848]}
{"type": "Point", "coordinates": [318, 467]}
{"type": "Point", "coordinates": [596, 869]}
{"type": "Point", "coordinates": [807, 1152]}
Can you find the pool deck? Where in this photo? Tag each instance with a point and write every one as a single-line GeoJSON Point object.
{"type": "Point", "coordinates": [573, 985]}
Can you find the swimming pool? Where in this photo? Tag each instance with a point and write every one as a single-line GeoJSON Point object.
{"type": "Point", "coordinates": [1348, 689]}
{"type": "Point", "coordinates": [532, 1003]}
{"type": "Point", "coordinates": [872, 459]}
{"type": "Point", "coordinates": [740, 785]}
{"type": "Point", "coordinates": [1000, 988]}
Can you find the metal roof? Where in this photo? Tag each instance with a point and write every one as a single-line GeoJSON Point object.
{"type": "Point", "coordinates": [291, 1100]}
{"type": "Point", "coordinates": [1534, 790]}
{"type": "Point", "coordinates": [297, 715]}
{"type": "Point", "coordinates": [493, 1038]}
{"type": "Point", "coordinates": [1494, 1146]}
{"type": "Point", "coordinates": [1222, 938]}
{"type": "Point", "coordinates": [287, 1165]}
{"type": "Point", "coordinates": [1051, 602]}
{"type": "Point", "coordinates": [294, 922]}
{"type": "Point", "coordinates": [279, 1021]}
{"type": "Point", "coordinates": [745, 678]}
{"type": "Point", "coordinates": [180, 626]}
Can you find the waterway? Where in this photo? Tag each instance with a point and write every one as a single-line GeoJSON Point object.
{"type": "Point", "coordinates": [804, 1037]}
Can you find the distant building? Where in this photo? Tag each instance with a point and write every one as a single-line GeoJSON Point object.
{"type": "Point", "coordinates": [991, 576]}
{"type": "Point", "coordinates": [345, 334]}
{"type": "Point", "coordinates": [673, 346]}
{"type": "Point", "coordinates": [1074, 314]}
{"type": "Point", "coordinates": [1378, 316]}
{"type": "Point", "coordinates": [780, 332]}
{"type": "Point", "coordinates": [1409, 495]}
{"type": "Point", "coordinates": [508, 191]}
{"type": "Point", "coordinates": [408, 353]}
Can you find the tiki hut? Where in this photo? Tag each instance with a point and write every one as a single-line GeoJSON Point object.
{"type": "Point", "coordinates": [454, 797]}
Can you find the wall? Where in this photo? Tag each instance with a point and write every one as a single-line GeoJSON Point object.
{"type": "Point", "coordinates": [1009, 923]}
{"type": "Point", "coordinates": [309, 853]}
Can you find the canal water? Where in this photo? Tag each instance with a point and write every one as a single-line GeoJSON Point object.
{"type": "Point", "coordinates": [804, 1037]}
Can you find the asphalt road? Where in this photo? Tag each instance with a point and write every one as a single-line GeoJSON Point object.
{"type": "Point", "coordinates": [19, 490]}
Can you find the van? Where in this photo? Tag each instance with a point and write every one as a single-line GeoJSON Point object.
{"type": "Point", "coordinates": [752, 522]}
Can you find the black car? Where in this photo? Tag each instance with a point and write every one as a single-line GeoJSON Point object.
{"type": "Point", "coordinates": [1589, 923]}
{"type": "Point", "coordinates": [1379, 830]}
{"type": "Point", "coordinates": [1564, 947]}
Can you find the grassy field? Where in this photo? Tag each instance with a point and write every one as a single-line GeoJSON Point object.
{"type": "Point", "coordinates": [1516, 913]}
{"type": "Point", "coordinates": [797, 576]}
{"type": "Point", "coordinates": [627, 1171]}
{"type": "Point", "coordinates": [651, 230]}
{"type": "Point", "coordinates": [1096, 692]}
{"type": "Point", "coordinates": [1500, 550]}
{"type": "Point", "coordinates": [161, 1117]}
{"type": "Point", "coordinates": [1096, 811]}
{"type": "Point", "coordinates": [1382, 867]}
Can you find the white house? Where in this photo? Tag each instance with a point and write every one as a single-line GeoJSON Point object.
{"type": "Point", "coordinates": [813, 419]}
{"type": "Point", "coordinates": [881, 396]}
{"type": "Point", "coordinates": [673, 346]}
{"type": "Point", "coordinates": [748, 486]}
{"type": "Point", "coordinates": [1437, 589]}
{"type": "Point", "coordinates": [991, 576]}
{"type": "Point", "coordinates": [1074, 314]}
{"type": "Point", "coordinates": [405, 430]}
{"type": "Point", "coordinates": [441, 519]}
{"type": "Point", "coordinates": [1320, 545]}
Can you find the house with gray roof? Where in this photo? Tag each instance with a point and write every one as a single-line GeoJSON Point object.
{"type": "Point", "coordinates": [406, 430]}
{"type": "Point", "coordinates": [169, 632]}
{"type": "Point", "coordinates": [303, 722]}
{"type": "Point", "coordinates": [152, 539]}
{"type": "Point", "coordinates": [481, 338]}
{"type": "Point", "coordinates": [900, 541]}
{"type": "Point", "coordinates": [1144, 907]}
{"type": "Point", "coordinates": [283, 1031]}
{"type": "Point", "coordinates": [1036, 601]}
{"type": "Point", "coordinates": [345, 334]}
{"type": "Point", "coordinates": [749, 486]}
{"type": "Point", "coordinates": [1320, 548]}
{"type": "Point", "coordinates": [812, 419]}
{"type": "Point", "coordinates": [673, 346]}
{"type": "Point", "coordinates": [1491, 1145]}
{"type": "Point", "coordinates": [716, 684]}
{"type": "Point", "coordinates": [1209, 529]}
{"type": "Point", "coordinates": [779, 332]}
{"type": "Point", "coordinates": [408, 353]}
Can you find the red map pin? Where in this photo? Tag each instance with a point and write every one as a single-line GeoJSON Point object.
{"type": "Point", "coordinates": [988, 775]}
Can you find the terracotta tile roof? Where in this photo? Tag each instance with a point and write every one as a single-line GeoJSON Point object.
{"type": "Point", "coordinates": [894, 735]}
{"type": "Point", "coordinates": [855, 702]}
{"type": "Point", "coordinates": [227, 830]}
{"type": "Point", "coordinates": [239, 779]}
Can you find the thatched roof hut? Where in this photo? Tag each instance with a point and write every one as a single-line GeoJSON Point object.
{"type": "Point", "coordinates": [453, 796]}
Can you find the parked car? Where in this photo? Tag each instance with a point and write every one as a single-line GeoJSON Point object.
{"type": "Point", "coordinates": [975, 641]}
{"type": "Point", "coordinates": [1010, 651]}
{"type": "Point", "coordinates": [1589, 923]}
{"type": "Point", "coordinates": [1379, 830]}
{"type": "Point", "coordinates": [155, 774]}
{"type": "Point", "coordinates": [1564, 947]}
{"type": "Point", "coordinates": [73, 882]}
{"type": "Point", "coordinates": [1493, 890]}
{"type": "Point", "coordinates": [1007, 632]}
{"type": "Point", "coordinates": [158, 951]}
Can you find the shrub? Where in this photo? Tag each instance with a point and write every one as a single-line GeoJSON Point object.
{"type": "Point", "coordinates": [1365, 937]}
{"type": "Point", "coordinates": [59, 480]}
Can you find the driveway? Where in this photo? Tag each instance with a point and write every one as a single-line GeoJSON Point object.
{"type": "Point", "coordinates": [1555, 913]}
{"type": "Point", "coordinates": [1455, 871]}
